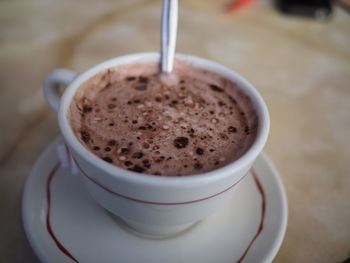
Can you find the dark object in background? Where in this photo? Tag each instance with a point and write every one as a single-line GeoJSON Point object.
{"type": "Point", "coordinates": [346, 5]}
{"type": "Point", "coordinates": [319, 9]}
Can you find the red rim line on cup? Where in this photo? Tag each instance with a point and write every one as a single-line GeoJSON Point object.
{"type": "Point", "coordinates": [150, 202]}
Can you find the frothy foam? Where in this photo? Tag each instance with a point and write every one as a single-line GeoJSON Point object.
{"type": "Point", "coordinates": [135, 118]}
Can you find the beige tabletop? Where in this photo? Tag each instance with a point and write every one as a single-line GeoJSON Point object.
{"type": "Point", "coordinates": [300, 66]}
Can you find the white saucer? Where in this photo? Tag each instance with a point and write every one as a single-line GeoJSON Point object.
{"type": "Point", "coordinates": [64, 224]}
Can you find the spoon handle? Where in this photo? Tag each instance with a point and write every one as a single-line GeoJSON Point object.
{"type": "Point", "coordinates": [169, 32]}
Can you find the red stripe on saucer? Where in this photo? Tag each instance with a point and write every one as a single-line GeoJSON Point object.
{"type": "Point", "coordinates": [48, 214]}
{"type": "Point", "coordinates": [263, 212]}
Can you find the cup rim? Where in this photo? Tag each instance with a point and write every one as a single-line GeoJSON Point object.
{"type": "Point", "coordinates": [197, 179]}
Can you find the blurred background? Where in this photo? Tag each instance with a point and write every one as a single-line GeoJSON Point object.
{"type": "Point", "coordinates": [297, 56]}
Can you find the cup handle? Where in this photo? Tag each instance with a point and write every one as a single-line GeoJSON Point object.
{"type": "Point", "coordinates": [52, 83]}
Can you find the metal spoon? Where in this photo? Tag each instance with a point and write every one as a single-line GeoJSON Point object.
{"type": "Point", "coordinates": [169, 32]}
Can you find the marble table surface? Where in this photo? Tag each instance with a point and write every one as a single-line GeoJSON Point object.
{"type": "Point", "coordinates": [300, 66]}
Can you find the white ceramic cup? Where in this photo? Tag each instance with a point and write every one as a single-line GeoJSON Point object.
{"type": "Point", "coordinates": [149, 204]}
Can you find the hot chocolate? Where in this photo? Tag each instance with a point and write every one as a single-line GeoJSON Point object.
{"type": "Point", "coordinates": [191, 122]}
